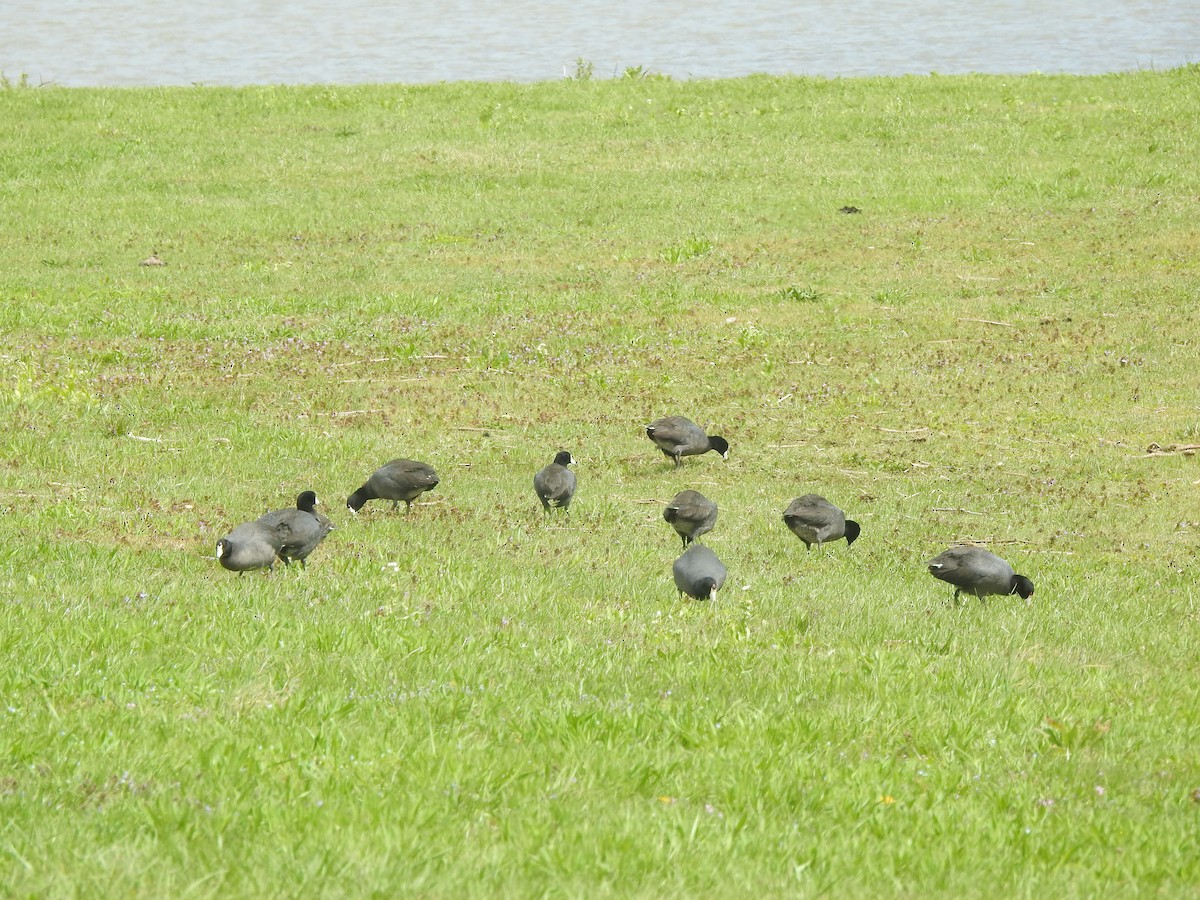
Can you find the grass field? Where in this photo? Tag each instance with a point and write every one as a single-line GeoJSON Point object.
{"type": "Point", "coordinates": [478, 700]}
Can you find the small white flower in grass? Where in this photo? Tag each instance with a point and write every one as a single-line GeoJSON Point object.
{"type": "Point", "coordinates": [1100, 790]}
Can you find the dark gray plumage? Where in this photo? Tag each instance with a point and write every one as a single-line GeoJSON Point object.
{"type": "Point", "coordinates": [306, 528]}
{"type": "Point", "coordinates": [691, 514]}
{"type": "Point", "coordinates": [975, 571]}
{"type": "Point", "coordinates": [815, 520]}
{"type": "Point", "coordinates": [677, 437]}
{"type": "Point", "coordinates": [250, 546]}
{"type": "Point", "coordinates": [555, 484]}
{"type": "Point", "coordinates": [401, 479]}
{"type": "Point", "coordinates": [698, 573]}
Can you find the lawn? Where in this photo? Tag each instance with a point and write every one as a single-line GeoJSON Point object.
{"type": "Point", "coordinates": [962, 308]}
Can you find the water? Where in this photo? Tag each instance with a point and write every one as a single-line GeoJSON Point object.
{"type": "Point", "coordinates": [127, 42]}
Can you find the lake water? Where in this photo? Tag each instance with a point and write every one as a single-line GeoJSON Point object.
{"type": "Point", "coordinates": [127, 42]}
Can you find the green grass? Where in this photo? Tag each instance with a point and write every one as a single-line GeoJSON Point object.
{"type": "Point", "coordinates": [475, 700]}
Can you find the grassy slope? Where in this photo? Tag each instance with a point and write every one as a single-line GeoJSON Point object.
{"type": "Point", "coordinates": [473, 700]}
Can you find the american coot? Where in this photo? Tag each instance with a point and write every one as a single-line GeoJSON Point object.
{"type": "Point", "coordinates": [698, 573]}
{"type": "Point", "coordinates": [691, 514]}
{"type": "Point", "coordinates": [976, 571]}
{"type": "Point", "coordinates": [305, 528]}
{"type": "Point", "coordinates": [555, 484]}
{"type": "Point", "coordinates": [401, 479]}
{"type": "Point", "coordinates": [251, 546]}
{"type": "Point", "coordinates": [815, 520]}
{"type": "Point", "coordinates": [677, 437]}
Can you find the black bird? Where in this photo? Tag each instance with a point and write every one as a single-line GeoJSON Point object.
{"type": "Point", "coordinates": [698, 573]}
{"type": "Point", "coordinates": [677, 437]}
{"type": "Point", "coordinates": [305, 528]}
{"type": "Point", "coordinates": [976, 571]}
{"type": "Point", "coordinates": [401, 479]}
{"type": "Point", "coordinates": [815, 520]}
{"type": "Point", "coordinates": [691, 514]}
{"type": "Point", "coordinates": [251, 546]}
{"type": "Point", "coordinates": [555, 484]}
